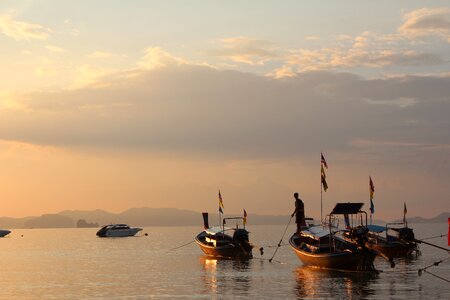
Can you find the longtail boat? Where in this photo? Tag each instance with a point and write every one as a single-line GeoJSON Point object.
{"type": "Point", "coordinates": [326, 246]}
{"type": "Point", "coordinates": [394, 240]}
{"type": "Point", "coordinates": [225, 242]}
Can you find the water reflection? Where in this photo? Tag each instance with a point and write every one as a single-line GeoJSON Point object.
{"type": "Point", "coordinates": [225, 276]}
{"type": "Point", "coordinates": [318, 283]}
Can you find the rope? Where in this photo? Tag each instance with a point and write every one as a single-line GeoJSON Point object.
{"type": "Point", "coordinates": [180, 246]}
{"type": "Point", "coordinates": [279, 245]}
{"type": "Point", "coordinates": [437, 276]}
{"type": "Point", "coordinates": [436, 263]}
{"type": "Point", "coordinates": [433, 237]}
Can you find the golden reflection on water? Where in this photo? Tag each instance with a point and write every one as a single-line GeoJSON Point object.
{"type": "Point", "coordinates": [316, 283]}
{"type": "Point", "coordinates": [225, 276]}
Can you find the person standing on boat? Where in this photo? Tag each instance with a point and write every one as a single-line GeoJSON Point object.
{"type": "Point", "coordinates": [299, 213]}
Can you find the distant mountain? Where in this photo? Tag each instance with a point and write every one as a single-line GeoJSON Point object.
{"type": "Point", "coordinates": [441, 218]}
{"type": "Point", "coordinates": [146, 216]}
{"type": "Point", "coordinates": [50, 221]}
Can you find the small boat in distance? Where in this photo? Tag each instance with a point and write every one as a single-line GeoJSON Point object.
{"type": "Point", "coordinates": [394, 240]}
{"type": "Point", "coordinates": [4, 232]}
{"type": "Point", "coordinates": [325, 246]}
{"type": "Point", "coordinates": [117, 230]}
{"type": "Point", "coordinates": [225, 242]}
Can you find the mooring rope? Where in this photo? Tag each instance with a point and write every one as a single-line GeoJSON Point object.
{"type": "Point", "coordinates": [434, 237]}
{"type": "Point", "coordinates": [436, 263]}
{"type": "Point", "coordinates": [181, 246]}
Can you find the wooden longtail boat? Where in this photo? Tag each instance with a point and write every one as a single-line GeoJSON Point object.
{"type": "Point", "coordinates": [225, 242]}
{"type": "Point", "coordinates": [325, 246]}
{"type": "Point", "coordinates": [394, 240]}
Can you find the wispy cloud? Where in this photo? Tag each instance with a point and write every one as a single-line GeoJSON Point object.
{"type": "Point", "coordinates": [156, 57]}
{"type": "Point", "coordinates": [245, 50]}
{"type": "Point", "coordinates": [54, 49]}
{"type": "Point", "coordinates": [366, 50]}
{"type": "Point", "coordinates": [427, 22]}
{"type": "Point", "coordinates": [19, 30]}
{"type": "Point", "coordinates": [104, 54]}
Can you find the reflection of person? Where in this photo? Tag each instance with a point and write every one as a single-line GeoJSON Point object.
{"type": "Point", "coordinates": [299, 213]}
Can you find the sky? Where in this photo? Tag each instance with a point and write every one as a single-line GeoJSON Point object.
{"type": "Point", "coordinates": [120, 104]}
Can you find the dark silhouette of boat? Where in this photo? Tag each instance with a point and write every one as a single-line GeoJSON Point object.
{"type": "Point", "coordinates": [225, 242]}
{"type": "Point", "coordinates": [326, 246]}
{"type": "Point", "coordinates": [395, 240]}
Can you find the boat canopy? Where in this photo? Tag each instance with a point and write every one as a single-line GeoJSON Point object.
{"type": "Point", "coordinates": [347, 208]}
{"type": "Point", "coordinates": [317, 232]}
{"type": "Point", "coordinates": [376, 228]}
{"type": "Point", "coordinates": [216, 230]}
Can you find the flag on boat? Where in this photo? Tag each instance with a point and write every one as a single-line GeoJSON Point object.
{"type": "Point", "coordinates": [220, 203]}
{"type": "Point", "coordinates": [323, 178]}
{"type": "Point", "coordinates": [372, 190]}
{"type": "Point", "coordinates": [245, 217]}
{"type": "Point", "coordinates": [323, 161]}
{"type": "Point", "coordinates": [404, 212]}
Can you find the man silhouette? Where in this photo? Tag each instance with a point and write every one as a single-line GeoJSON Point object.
{"type": "Point", "coordinates": [299, 213]}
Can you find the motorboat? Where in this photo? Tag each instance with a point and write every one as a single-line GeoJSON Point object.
{"type": "Point", "coordinates": [117, 230]}
{"type": "Point", "coordinates": [394, 240]}
{"type": "Point", "coordinates": [225, 242]}
{"type": "Point", "coordinates": [327, 246]}
{"type": "Point", "coordinates": [4, 232]}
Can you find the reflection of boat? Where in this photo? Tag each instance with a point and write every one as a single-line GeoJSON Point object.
{"type": "Point", "coordinates": [326, 283]}
{"type": "Point", "coordinates": [393, 240]}
{"type": "Point", "coordinates": [117, 230]}
{"type": "Point", "coordinates": [327, 247]}
{"type": "Point", "coordinates": [4, 232]}
{"type": "Point", "coordinates": [224, 241]}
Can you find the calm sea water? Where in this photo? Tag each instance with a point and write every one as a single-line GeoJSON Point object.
{"type": "Point", "coordinates": [75, 264]}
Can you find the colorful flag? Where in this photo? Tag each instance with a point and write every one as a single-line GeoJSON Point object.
{"type": "Point", "coordinates": [220, 203]}
{"type": "Point", "coordinates": [245, 217]}
{"type": "Point", "coordinates": [372, 187]}
{"type": "Point", "coordinates": [404, 212]}
{"type": "Point", "coordinates": [372, 190]}
{"type": "Point", "coordinates": [324, 183]}
{"type": "Point", "coordinates": [322, 172]}
{"type": "Point", "coordinates": [323, 161]}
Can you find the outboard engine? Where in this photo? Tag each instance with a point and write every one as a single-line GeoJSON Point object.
{"type": "Point", "coordinates": [406, 234]}
{"type": "Point", "coordinates": [241, 236]}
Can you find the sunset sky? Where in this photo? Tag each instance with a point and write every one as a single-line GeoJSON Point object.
{"type": "Point", "coordinates": [120, 104]}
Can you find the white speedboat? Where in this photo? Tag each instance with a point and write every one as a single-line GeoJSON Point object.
{"type": "Point", "coordinates": [117, 230]}
{"type": "Point", "coordinates": [4, 232]}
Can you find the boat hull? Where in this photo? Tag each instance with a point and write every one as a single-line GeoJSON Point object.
{"type": "Point", "coordinates": [230, 250]}
{"type": "Point", "coordinates": [120, 233]}
{"type": "Point", "coordinates": [395, 249]}
{"type": "Point", "coordinates": [345, 260]}
{"type": "Point", "coordinates": [4, 232]}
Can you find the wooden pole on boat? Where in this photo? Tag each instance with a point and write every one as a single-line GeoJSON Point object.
{"type": "Point", "coordinates": [281, 240]}
{"type": "Point", "coordinates": [430, 244]}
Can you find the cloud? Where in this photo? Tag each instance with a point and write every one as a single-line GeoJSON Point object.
{"type": "Point", "coordinates": [21, 30]}
{"type": "Point", "coordinates": [156, 57]}
{"type": "Point", "coordinates": [103, 54]}
{"type": "Point", "coordinates": [245, 50]}
{"type": "Point", "coordinates": [427, 22]}
{"type": "Point", "coordinates": [188, 108]}
{"type": "Point", "coordinates": [55, 49]}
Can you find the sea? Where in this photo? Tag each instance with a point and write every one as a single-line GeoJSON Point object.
{"type": "Point", "coordinates": [165, 263]}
